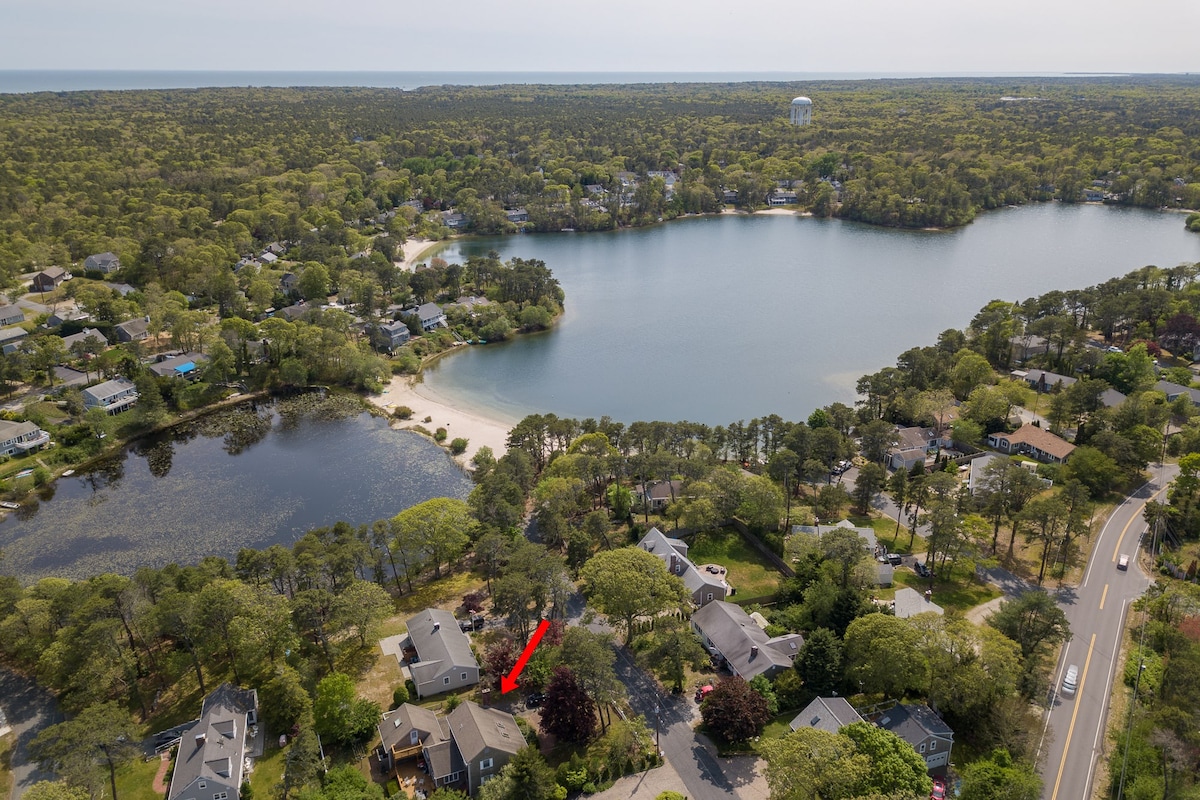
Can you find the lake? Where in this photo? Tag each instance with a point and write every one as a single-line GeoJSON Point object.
{"type": "Point", "coordinates": [716, 319]}
{"type": "Point", "coordinates": [249, 477]}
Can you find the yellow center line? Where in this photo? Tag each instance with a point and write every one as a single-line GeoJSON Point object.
{"type": "Point", "coordinates": [1070, 730]}
{"type": "Point", "coordinates": [1103, 595]}
{"type": "Point", "coordinates": [1137, 515]}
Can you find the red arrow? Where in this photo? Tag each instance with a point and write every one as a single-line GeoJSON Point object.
{"type": "Point", "coordinates": [509, 681]}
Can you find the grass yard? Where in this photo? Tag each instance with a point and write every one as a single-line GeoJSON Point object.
{"type": "Point", "coordinates": [961, 592]}
{"type": "Point", "coordinates": [268, 770]}
{"type": "Point", "coordinates": [435, 594]}
{"type": "Point", "coordinates": [135, 781]}
{"type": "Point", "coordinates": [749, 573]}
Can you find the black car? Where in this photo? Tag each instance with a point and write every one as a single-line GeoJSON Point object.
{"type": "Point", "coordinates": [535, 699]}
{"type": "Point", "coordinates": [895, 559]}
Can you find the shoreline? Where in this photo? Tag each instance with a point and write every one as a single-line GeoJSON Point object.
{"type": "Point", "coordinates": [414, 250]}
{"type": "Point", "coordinates": [480, 428]}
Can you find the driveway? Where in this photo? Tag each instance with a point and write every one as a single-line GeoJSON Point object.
{"type": "Point", "coordinates": [28, 710]}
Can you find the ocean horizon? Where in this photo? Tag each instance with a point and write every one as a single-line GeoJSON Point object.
{"type": "Point", "coordinates": [42, 80]}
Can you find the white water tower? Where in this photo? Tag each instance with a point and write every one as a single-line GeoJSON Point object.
{"type": "Point", "coordinates": [801, 111]}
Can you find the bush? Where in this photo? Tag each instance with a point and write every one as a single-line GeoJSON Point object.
{"type": "Point", "coordinates": [440, 434]}
{"type": "Point", "coordinates": [527, 731]}
{"type": "Point", "coordinates": [452, 702]}
{"type": "Point", "coordinates": [41, 476]}
{"type": "Point", "coordinates": [458, 446]}
{"type": "Point", "coordinates": [402, 412]}
{"type": "Point", "coordinates": [400, 696]}
{"type": "Point", "coordinates": [411, 687]}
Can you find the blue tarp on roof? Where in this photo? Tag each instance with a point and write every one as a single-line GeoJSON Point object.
{"type": "Point", "coordinates": [184, 369]}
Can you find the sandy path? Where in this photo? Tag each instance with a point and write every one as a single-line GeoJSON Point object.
{"type": "Point", "coordinates": [478, 428]}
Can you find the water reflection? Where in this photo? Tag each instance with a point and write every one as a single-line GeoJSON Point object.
{"type": "Point", "coordinates": [249, 476]}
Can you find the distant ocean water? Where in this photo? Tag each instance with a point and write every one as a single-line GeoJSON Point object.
{"type": "Point", "coordinates": [22, 81]}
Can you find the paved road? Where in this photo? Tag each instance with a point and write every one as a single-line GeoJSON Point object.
{"type": "Point", "coordinates": [28, 710]}
{"type": "Point", "coordinates": [699, 771]}
{"type": "Point", "coordinates": [1073, 738]}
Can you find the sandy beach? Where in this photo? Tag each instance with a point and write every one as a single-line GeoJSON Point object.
{"type": "Point", "coordinates": [478, 429]}
{"type": "Point", "coordinates": [775, 211]}
{"type": "Point", "coordinates": [414, 250]}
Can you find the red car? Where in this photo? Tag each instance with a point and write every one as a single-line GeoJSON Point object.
{"type": "Point", "coordinates": [939, 789]}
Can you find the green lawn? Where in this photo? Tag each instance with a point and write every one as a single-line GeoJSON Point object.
{"type": "Point", "coordinates": [961, 592]}
{"type": "Point", "coordinates": [268, 770]}
{"type": "Point", "coordinates": [135, 781]}
{"type": "Point", "coordinates": [749, 573]}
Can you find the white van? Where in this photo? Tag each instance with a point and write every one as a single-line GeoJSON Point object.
{"type": "Point", "coordinates": [1071, 681]}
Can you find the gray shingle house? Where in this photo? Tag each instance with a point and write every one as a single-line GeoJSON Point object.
{"type": "Point", "coordinates": [728, 632]}
{"type": "Point", "coordinates": [704, 587]}
{"type": "Point", "coordinates": [85, 335]}
{"type": "Point", "coordinates": [113, 396]}
{"type": "Point", "coordinates": [211, 762]}
{"type": "Point", "coordinates": [921, 728]}
{"type": "Point", "coordinates": [829, 714]}
{"type": "Point", "coordinates": [11, 315]}
{"type": "Point", "coordinates": [462, 750]}
{"type": "Point", "coordinates": [49, 279]}
{"type": "Point", "coordinates": [444, 660]}
{"type": "Point", "coordinates": [102, 262]}
{"type": "Point", "coordinates": [910, 602]}
{"type": "Point", "coordinates": [430, 314]}
{"type": "Point", "coordinates": [387, 336]}
{"type": "Point", "coordinates": [21, 437]}
{"type": "Point", "coordinates": [133, 330]}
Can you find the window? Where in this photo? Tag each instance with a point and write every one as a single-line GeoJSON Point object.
{"type": "Point", "coordinates": [710, 595]}
{"type": "Point", "coordinates": [452, 777]}
{"type": "Point", "coordinates": [485, 764]}
{"type": "Point", "coordinates": [463, 676]}
{"type": "Point", "coordinates": [932, 746]}
{"type": "Point", "coordinates": [446, 681]}
{"type": "Point", "coordinates": [412, 737]}
{"type": "Point", "coordinates": [922, 748]}
{"type": "Point", "coordinates": [221, 796]}
{"type": "Point", "coordinates": [202, 785]}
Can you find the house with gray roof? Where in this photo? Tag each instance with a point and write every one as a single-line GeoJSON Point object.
{"type": "Point", "coordinates": [829, 714]}
{"type": "Point", "coordinates": [182, 365]}
{"type": "Point", "coordinates": [21, 437]}
{"type": "Point", "coordinates": [10, 339]}
{"type": "Point", "coordinates": [211, 761]}
{"type": "Point", "coordinates": [102, 262]}
{"type": "Point", "coordinates": [133, 330]}
{"type": "Point", "coordinates": [85, 335]}
{"type": "Point", "coordinates": [11, 315]}
{"type": "Point", "coordinates": [430, 315]}
{"type": "Point", "coordinates": [1042, 381]}
{"type": "Point", "coordinates": [910, 602]}
{"type": "Point", "coordinates": [113, 396]}
{"type": "Point", "coordinates": [444, 660]}
{"type": "Point", "coordinates": [657, 493]}
{"type": "Point", "coordinates": [49, 279]}
{"type": "Point", "coordinates": [921, 728]}
{"type": "Point", "coordinates": [884, 572]}
{"type": "Point", "coordinates": [387, 336]}
{"type": "Point", "coordinates": [462, 750]}
{"type": "Point", "coordinates": [67, 315]}
{"type": "Point", "coordinates": [704, 586]}
{"type": "Point", "coordinates": [407, 731]}
{"type": "Point", "coordinates": [1174, 390]}
{"type": "Point", "coordinates": [728, 633]}
{"type": "Point", "coordinates": [486, 738]}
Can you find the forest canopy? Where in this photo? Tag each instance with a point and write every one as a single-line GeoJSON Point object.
{"type": "Point", "coordinates": [179, 183]}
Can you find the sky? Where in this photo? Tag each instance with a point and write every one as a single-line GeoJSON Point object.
{"type": "Point", "coordinates": [803, 36]}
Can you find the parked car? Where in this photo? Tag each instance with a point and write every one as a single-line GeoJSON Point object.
{"type": "Point", "coordinates": [1070, 681]}
{"type": "Point", "coordinates": [895, 559]}
{"type": "Point", "coordinates": [535, 699]}
{"type": "Point", "coordinates": [939, 788]}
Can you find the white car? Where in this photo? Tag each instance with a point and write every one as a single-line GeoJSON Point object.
{"type": "Point", "coordinates": [1123, 562]}
{"type": "Point", "coordinates": [1071, 681]}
